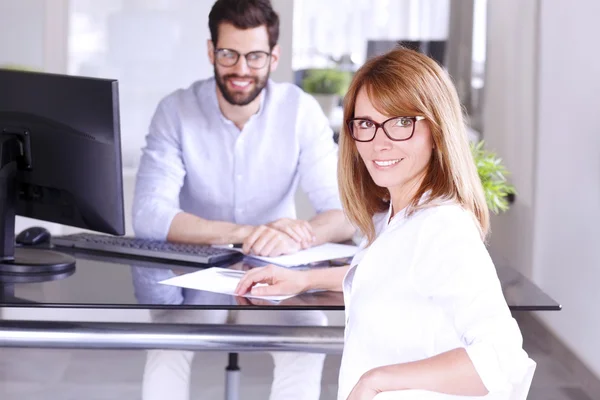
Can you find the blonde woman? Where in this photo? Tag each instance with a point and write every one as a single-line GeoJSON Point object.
{"type": "Point", "coordinates": [425, 314]}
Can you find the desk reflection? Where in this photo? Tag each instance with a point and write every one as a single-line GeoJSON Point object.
{"type": "Point", "coordinates": [167, 372]}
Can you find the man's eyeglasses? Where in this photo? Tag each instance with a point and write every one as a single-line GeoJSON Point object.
{"type": "Point", "coordinates": [396, 128]}
{"type": "Point", "coordinates": [254, 59]}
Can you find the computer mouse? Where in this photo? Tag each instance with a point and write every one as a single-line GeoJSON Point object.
{"type": "Point", "coordinates": [32, 236]}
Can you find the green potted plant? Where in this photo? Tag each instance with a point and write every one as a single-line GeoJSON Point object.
{"type": "Point", "coordinates": [17, 67]}
{"type": "Point", "coordinates": [327, 85]}
{"type": "Point", "coordinates": [492, 172]}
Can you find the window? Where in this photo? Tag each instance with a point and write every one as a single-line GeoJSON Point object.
{"type": "Point", "coordinates": [323, 34]}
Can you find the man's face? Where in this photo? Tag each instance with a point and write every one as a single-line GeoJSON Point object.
{"type": "Point", "coordinates": [243, 81]}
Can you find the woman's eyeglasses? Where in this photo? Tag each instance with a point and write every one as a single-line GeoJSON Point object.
{"type": "Point", "coordinates": [396, 128]}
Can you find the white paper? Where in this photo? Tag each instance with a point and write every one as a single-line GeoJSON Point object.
{"type": "Point", "coordinates": [217, 280]}
{"type": "Point", "coordinates": [324, 252]}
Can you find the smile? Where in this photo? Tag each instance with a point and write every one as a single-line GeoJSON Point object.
{"type": "Point", "coordinates": [240, 84]}
{"type": "Point", "coordinates": [386, 163]}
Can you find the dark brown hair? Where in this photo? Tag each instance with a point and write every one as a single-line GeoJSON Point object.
{"type": "Point", "coordinates": [244, 14]}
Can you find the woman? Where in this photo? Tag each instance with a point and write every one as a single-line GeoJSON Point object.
{"type": "Point", "coordinates": [425, 313]}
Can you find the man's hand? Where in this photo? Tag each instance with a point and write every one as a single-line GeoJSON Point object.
{"type": "Point", "coordinates": [269, 242]}
{"type": "Point", "coordinates": [301, 231]}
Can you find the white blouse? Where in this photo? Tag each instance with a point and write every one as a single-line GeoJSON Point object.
{"type": "Point", "coordinates": [425, 286]}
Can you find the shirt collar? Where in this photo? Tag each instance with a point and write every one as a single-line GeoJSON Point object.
{"type": "Point", "coordinates": [212, 94]}
{"type": "Point", "coordinates": [400, 214]}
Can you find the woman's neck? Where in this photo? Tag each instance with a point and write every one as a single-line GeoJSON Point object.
{"type": "Point", "coordinates": [401, 196]}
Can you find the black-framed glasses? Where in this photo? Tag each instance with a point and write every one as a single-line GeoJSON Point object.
{"type": "Point", "coordinates": [254, 59]}
{"type": "Point", "coordinates": [396, 128]}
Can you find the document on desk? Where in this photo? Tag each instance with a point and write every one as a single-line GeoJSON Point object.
{"type": "Point", "coordinates": [324, 252]}
{"type": "Point", "coordinates": [217, 280]}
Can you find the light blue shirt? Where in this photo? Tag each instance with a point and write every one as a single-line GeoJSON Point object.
{"type": "Point", "coordinates": [197, 161]}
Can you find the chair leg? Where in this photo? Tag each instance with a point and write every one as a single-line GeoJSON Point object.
{"type": "Point", "coordinates": [232, 378]}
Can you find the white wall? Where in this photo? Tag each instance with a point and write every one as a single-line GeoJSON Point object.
{"type": "Point", "coordinates": [509, 121]}
{"type": "Point", "coordinates": [285, 9]}
{"type": "Point", "coordinates": [542, 104]}
{"type": "Point", "coordinates": [567, 212]}
{"type": "Point", "coordinates": [21, 37]}
{"type": "Point", "coordinates": [152, 48]}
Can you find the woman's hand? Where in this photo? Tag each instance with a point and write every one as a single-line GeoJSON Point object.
{"type": "Point", "coordinates": [364, 388]}
{"type": "Point", "coordinates": [280, 281]}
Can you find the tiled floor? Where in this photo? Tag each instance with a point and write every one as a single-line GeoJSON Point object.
{"type": "Point", "coordinates": [30, 374]}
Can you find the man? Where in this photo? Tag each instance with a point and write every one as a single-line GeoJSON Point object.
{"type": "Point", "coordinates": [224, 156]}
{"type": "Point", "coordinates": [222, 164]}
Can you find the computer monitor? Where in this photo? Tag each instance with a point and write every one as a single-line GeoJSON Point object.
{"type": "Point", "coordinates": [60, 161]}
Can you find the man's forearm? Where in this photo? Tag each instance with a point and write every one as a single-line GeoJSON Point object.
{"type": "Point", "coordinates": [188, 228]}
{"type": "Point", "coordinates": [331, 226]}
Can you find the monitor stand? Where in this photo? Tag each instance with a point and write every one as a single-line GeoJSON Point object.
{"type": "Point", "coordinates": [14, 153]}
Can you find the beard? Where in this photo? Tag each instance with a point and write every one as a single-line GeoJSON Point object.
{"type": "Point", "coordinates": [240, 98]}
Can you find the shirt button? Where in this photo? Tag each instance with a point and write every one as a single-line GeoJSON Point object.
{"type": "Point", "coordinates": [239, 210]}
{"type": "Point", "coordinates": [239, 177]}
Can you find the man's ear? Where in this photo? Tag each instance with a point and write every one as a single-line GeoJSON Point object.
{"type": "Point", "coordinates": [211, 51]}
{"type": "Point", "coordinates": [275, 53]}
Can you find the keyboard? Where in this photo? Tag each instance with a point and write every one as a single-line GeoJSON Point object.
{"type": "Point", "coordinates": [195, 253]}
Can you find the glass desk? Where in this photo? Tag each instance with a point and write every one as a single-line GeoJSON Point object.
{"type": "Point", "coordinates": [109, 302]}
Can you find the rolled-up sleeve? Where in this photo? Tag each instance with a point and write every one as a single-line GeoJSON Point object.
{"type": "Point", "coordinates": [318, 156]}
{"type": "Point", "coordinates": [160, 175]}
{"type": "Point", "coordinates": [452, 267]}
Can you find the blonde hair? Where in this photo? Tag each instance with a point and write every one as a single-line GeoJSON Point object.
{"type": "Point", "coordinates": [404, 82]}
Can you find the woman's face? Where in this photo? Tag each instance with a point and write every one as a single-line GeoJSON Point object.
{"type": "Point", "coordinates": [396, 165]}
